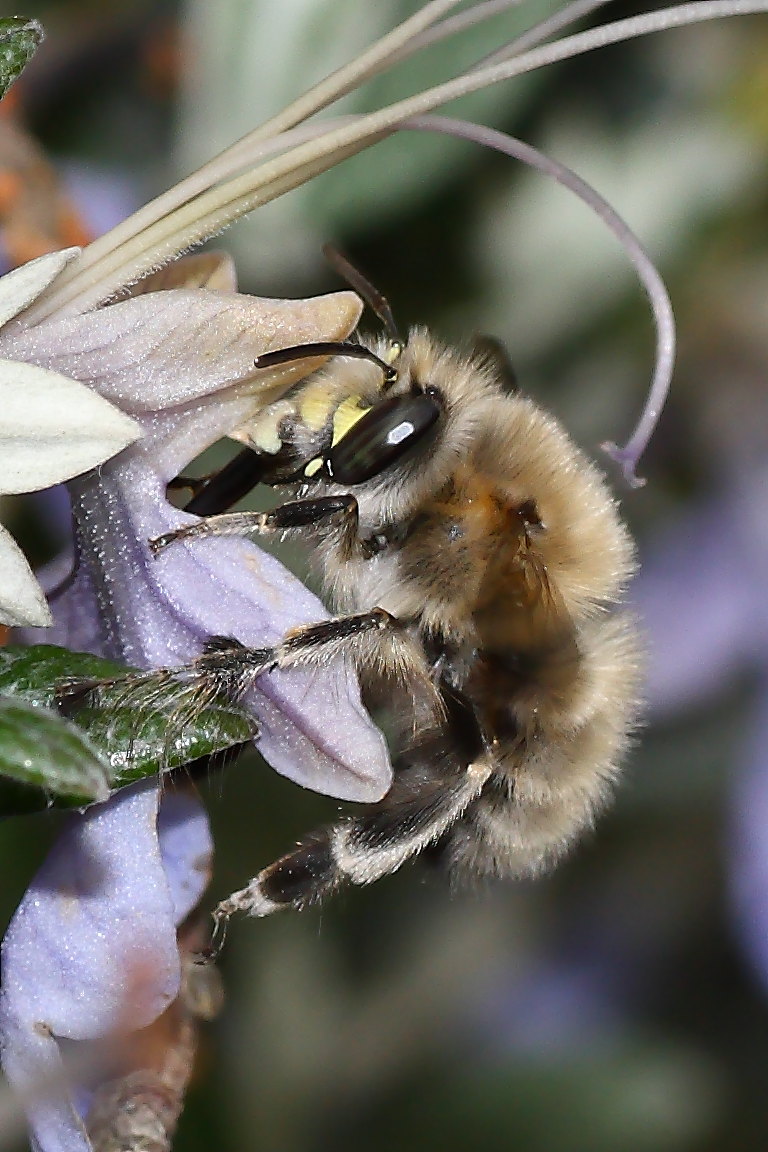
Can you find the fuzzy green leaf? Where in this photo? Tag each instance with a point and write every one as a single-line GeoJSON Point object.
{"type": "Point", "coordinates": [136, 728]}
{"type": "Point", "coordinates": [19, 38]}
{"type": "Point", "coordinates": [42, 749]}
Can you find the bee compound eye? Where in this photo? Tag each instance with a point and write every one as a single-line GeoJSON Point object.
{"type": "Point", "coordinates": [382, 437]}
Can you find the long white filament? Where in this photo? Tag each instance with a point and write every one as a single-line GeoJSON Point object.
{"type": "Point", "coordinates": [105, 269]}
{"type": "Point", "coordinates": [279, 156]}
{"type": "Point", "coordinates": [658, 297]}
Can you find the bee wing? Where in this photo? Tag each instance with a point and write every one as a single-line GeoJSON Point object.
{"type": "Point", "coordinates": [523, 612]}
{"type": "Point", "coordinates": [491, 353]}
{"type": "Point", "coordinates": [549, 617]}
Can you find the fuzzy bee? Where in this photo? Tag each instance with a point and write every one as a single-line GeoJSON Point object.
{"type": "Point", "coordinates": [476, 561]}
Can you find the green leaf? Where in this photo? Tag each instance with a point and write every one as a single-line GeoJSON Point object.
{"type": "Point", "coordinates": [138, 726]}
{"type": "Point", "coordinates": [19, 38]}
{"type": "Point", "coordinates": [40, 748]}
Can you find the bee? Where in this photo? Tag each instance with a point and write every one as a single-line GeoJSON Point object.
{"type": "Point", "coordinates": [477, 561]}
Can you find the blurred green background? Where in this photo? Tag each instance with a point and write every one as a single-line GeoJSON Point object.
{"type": "Point", "coordinates": [620, 1003]}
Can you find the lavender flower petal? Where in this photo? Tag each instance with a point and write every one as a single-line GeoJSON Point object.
{"type": "Point", "coordinates": [21, 286]}
{"type": "Point", "coordinates": [91, 951]}
{"type": "Point", "coordinates": [33, 1065]}
{"type": "Point", "coordinates": [21, 599]}
{"type": "Point", "coordinates": [162, 349]}
{"type": "Point", "coordinates": [53, 428]}
{"type": "Point", "coordinates": [186, 847]}
{"type": "Point", "coordinates": [154, 612]}
{"type": "Point", "coordinates": [749, 842]}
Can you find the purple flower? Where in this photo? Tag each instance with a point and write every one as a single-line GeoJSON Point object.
{"type": "Point", "coordinates": [52, 428]}
{"type": "Point", "coordinates": [91, 952]}
{"type": "Point", "coordinates": [702, 597]}
{"type": "Point", "coordinates": [92, 948]}
{"type": "Point", "coordinates": [158, 612]}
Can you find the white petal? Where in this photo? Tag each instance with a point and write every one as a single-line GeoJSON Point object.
{"type": "Point", "coordinates": [53, 428]}
{"type": "Point", "coordinates": [23, 285]}
{"type": "Point", "coordinates": [212, 270]}
{"type": "Point", "coordinates": [21, 597]}
{"type": "Point", "coordinates": [168, 348]}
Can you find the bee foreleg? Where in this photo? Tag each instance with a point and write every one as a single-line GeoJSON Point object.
{"type": "Point", "coordinates": [331, 511]}
{"type": "Point", "coordinates": [417, 811]}
{"type": "Point", "coordinates": [219, 491]}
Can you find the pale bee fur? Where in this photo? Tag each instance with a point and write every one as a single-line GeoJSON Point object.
{"type": "Point", "coordinates": [477, 562]}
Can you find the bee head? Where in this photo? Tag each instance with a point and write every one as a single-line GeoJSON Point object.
{"type": "Point", "coordinates": [394, 413]}
{"type": "Point", "coordinates": [395, 427]}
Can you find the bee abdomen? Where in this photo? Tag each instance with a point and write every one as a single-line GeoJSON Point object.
{"type": "Point", "coordinates": [512, 839]}
{"type": "Point", "coordinates": [550, 782]}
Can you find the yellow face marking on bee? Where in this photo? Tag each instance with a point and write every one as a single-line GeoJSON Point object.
{"type": "Point", "coordinates": [264, 437]}
{"type": "Point", "coordinates": [263, 432]}
{"type": "Point", "coordinates": [346, 416]}
{"type": "Point", "coordinates": [315, 407]}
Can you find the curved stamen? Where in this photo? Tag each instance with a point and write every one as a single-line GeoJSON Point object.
{"type": "Point", "coordinates": [661, 305]}
{"type": "Point", "coordinates": [205, 214]}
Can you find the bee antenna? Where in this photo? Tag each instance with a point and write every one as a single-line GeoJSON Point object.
{"type": "Point", "coordinates": [375, 299]}
{"type": "Point", "coordinates": [325, 348]}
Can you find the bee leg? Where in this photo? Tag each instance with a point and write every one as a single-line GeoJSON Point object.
{"type": "Point", "coordinates": [376, 641]}
{"type": "Point", "coordinates": [359, 635]}
{"type": "Point", "coordinates": [417, 811]}
{"type": "Point", "coordinates": [218, 492]}
{"type": "Point", "coordinates": [226, 666]}
{"type": "Point", "coordinates": [372, 639]}
{"type": "Point", "coordinates": [438, 778]}
{"type": "Point", "coordinates": [329, 511]}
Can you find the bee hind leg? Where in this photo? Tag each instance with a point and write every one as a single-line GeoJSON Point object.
{"type": "Point", "coordinates": [438, 778]}
{"type": "Point", "coordinates": [415, 814]}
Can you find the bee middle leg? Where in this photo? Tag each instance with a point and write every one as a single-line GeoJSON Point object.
{"type": "Point", "coordinates": [373, 639]}
{"type": "Point", "coordinates": [228, 667]}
